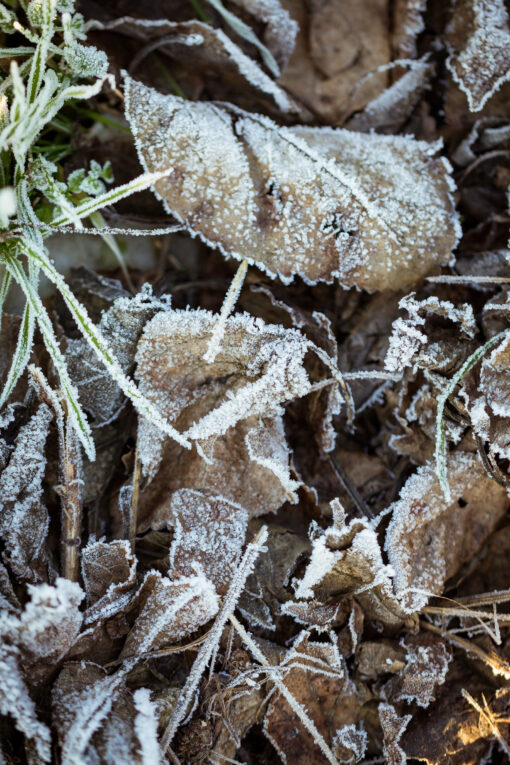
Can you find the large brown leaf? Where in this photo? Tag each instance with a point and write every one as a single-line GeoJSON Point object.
{"type": "Point", "coordinates": [374, 211]}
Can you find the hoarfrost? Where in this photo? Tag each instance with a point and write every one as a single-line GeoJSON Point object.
{"type": "Point", "coordinates": [146, 727]}
{"type": "Point", "coordinates": [312, 205]}
{"type": "Point", "coordinates": [281, 31]}
{"type": "Point", "coordinates": [429, 538]}
{"type": "Point", "coordinates": [478, 42]}
{"type": "Point", "coordinates": [393, 728]}
{"type": "Point", "coordinates": [426, 668]}
{"type": "Point", "coordinates": [350, 743]}
{"type": "Point", "coordinates": [23, 516]}
{"type": "Point", "coordinates": [109, 576]}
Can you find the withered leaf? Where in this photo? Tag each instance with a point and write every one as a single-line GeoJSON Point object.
{"type": "Point", "coordinates": [209, 532]}
{"type": "Point", "coordinates": [23, 516]}
{"type": "Point", "coordinates": [478, 41]}
{"type": "Point", "coordinates": [426, 665]}
{"type": "Point", "coordinates": [374, 211]}
{"type": "Point", "coordinates": [281, 28]}
{"type": "Point", "coordinates": [318, 680]}
{"type": "Point", "coordinates": [109, 576]}
{"type": "Point", "coordinates": [231, 408]}
{"type": "Point", "coordinates": [407, 24]}
{"type": "Point", "coordinates": [393, 728]}
{"type": "Point", "coordinates": [170, 609]}
{"type": "Point", "coordinates": [428, 538]}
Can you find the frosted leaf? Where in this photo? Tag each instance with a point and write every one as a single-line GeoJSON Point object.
{"type": "Point", "coordinates": [109, 575]}
{"type": "Point", "coordinates": [146, 727]}
{"type": "Point", "coordinates": [206, 49]}
{"type": "Point", "coordinates": [15, 700]}
{"type": "Point", "coordinates": [350, 743]}
{"type": "Point", "coordinates": [209, 531]}
{"type": "Point", "coordinates": [393, 728]}
{"type": "Point", "coordinates": [407, 25]}
{"type": "Point", "coordinates": [347, 560]}
{"type": "Point", "coordinates": [82, 698]}
{"type": "Point", "coordinates": [171, 609]}
{"type": "Point", "coordinates": [281, 29]}
{"type": "Point", "coordinates": [299, 200]}
{"type": "Point", "coordinates": [23, 516]}
{"type": "Point", "coordinates": [232, 407]}
{"type": "Point", "coordinates": [478, 42]}
{"type": "Point", "coordinates": [495, 378]}
{"type": "Point", "coordinates": [312, 613]}
{"type": "Point", "coordinates": [428, 538]}
{"type": "Point", "coordinates": [426, 668]}
{"type": "Point", "coordinates": [393, 106]}
{"type": "Point", "coordinates": [315, 675]}
{"type": "Point", "coordinates": [121, 326]}
{"type": "Point", "coordinates": [408, 342]}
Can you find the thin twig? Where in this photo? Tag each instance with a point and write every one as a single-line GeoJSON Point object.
{"type": "Point", "coordinates": [498, 665]}
{"type": "Point", "coordinates": [350, 488]}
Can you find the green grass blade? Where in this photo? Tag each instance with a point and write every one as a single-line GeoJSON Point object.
{"type": "Point", "coordinates": [440, 451]}
{"type": "Point", "coordinates": [21, 354]}
{"type": "Point", "coordinates": [75, 412]}
{"type": "Point", "coordinates": [100, 347]}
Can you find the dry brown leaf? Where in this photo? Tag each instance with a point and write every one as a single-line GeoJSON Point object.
{"type": "Point", "coordinates": [170, 610]}
{"type": "Point", "coordinates": [231, 407]}
{"type": "Point", "coordinates": [374, 211]}
{"type": "Point", "coordinates": [379, 658]}
{"type": "Point", "coordinates": [393, 728]}
{"type": "Point", "coordinates": [317, 678]}
{"type": "Point", "coordinates": [208, 532]}
{"type": "Point", "coordinates": [478, 41]}
{"type": "Point", "coordinates": [23, 516]}
{"type": "Point", "coordinates": [281, 30]}
{"type": "Point", "coordinates": [428, 538]}
{"type": "Point", "coordinates": [109, 577]}
{"type": "Point", "coordinates": [334, 50]}
{"type": "Point", "coordinates": [347, 560]}
{"type": "Point", "coordinates": [407, 23]}
{"type": "Point", "coordinates": [427, 660]}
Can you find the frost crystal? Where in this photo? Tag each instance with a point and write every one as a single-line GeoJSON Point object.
{"type": "Point", "coordinates": [374, 211]}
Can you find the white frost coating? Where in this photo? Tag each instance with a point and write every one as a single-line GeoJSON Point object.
{"type": "Point", "coordinates": [393, 728]}
{"type": "Point", "coordinates": [281, 31]}
{"type": "Point", "coordinates": [407, 340]}
{"type": "Point", "coordinates": [314, 207]}
{"type": "Point", "coordinates": [322, 561]}
{"type": "Point", "coordinates": [273, 454]}
{"type": "Point", "coordinates": [15, 700]}
{"type": "Point", "coordinates": [483, 65]}
{"type": "Point", "coordinates": [226, 309]}
{"type": "Point", "coordinates": [426, 668]}
{"type": "Point", "coordinates": [146, 727]}
{"type": "Point", "coordinates": [51, 612]}
{"type": "Point", "coordinates": [353, 739]}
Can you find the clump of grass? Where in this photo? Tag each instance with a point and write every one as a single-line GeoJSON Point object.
{"type": "Point", "coordinates": [52, 70]}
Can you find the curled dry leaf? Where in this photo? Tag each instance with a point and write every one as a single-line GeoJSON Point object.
{"type": "Point", "coordinates": [212, 52]}
{"type": "Point", "coordinates": [208, 532]}
{"type": "Point", "coordinates": [23, 516]}
{"type": "Point", "coordinates": [281, 29]}
{"type": "Point", "coordinates": [170, 610]}
{"type": "Point", "coordinates": [347, 560]}
{"type": "Point", "coordinates": [428, 538]}
{"type": "Point", "coordinates": [407, 24]}
{"type": "Point", "coordinates": [374, 211]}
{"type": "Point", "coordinates": [393, 728]}
{"type": "Point", "coordinates": [316, 676]}
{"type": "Point", "coordinates": [478, 41]}
{"type": "Point", "coordinates": [231, 408]}
{"type": "Point", "coordinates": [109, 577]}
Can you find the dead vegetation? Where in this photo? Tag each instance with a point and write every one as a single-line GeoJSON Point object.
{"type": "Point", "coordinates": [293, 544]}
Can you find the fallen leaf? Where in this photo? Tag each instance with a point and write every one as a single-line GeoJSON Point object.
{"type": "Point", "coordinates": [281, 29]}
{"type": "Point", "coordinates": [428, 538]}
{"type": "Point", "coordinates": [109, 577]}
{"type": "Point", "coordinates": [407, 22]}
{"type": "Point", "coordinates": [478, 42]}
{"type": "Point", "coordinates": [373, 211]}
{"type": "Point", "coordinates": [393, 728]}
{"type": "Point", "coordinates": [427, 660]}
{"type": "Point", "coordinates": [231, 408]}
{"type": "Point", "coordinates": [23, 516]}
{"type": "Point", "coordinates": [317, 678]}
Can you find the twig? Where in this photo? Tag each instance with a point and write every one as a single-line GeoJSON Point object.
{"type": "Point", "coordinates": [498, 666]}
{"type": "Point", "coordinates": [490, 719]}
{"type": "Point", "coordinates": [350, 488]}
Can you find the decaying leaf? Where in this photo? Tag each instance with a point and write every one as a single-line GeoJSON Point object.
{"type": "Point", "coordinates": [316, 677]}
{"type": "Point", "coordinates": [427, 660]}
{"type": "Point", "coordinates": [347, 560]}
{"type": "Point", "coordinates": [231, 407]}
{"type": "Point", "coordinates": [23, 516]}
{"type": "Point", "coordinates": [170, 610]}
{"type": "Point", "coordinates": [374, 211]}
{"type": "Point", "coordinates": [109, 576]}
{"type": "Point", "coordinates": [429, 538]}
{"type": "Point", "coordinates": [407, 25]}
{"type": "Point", "coordinates": [281, 29]}
{"type": "Point", "coordinates": [478, 40]}
{"type": "Point", "coordinates": [393, 728]}
{"type": "Point", "coordinates": [208, 532]}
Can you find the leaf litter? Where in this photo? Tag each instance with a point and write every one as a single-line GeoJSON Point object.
{"type": "Point", "coordinates": [297, 548]}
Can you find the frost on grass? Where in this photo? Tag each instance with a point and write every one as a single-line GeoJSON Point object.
{"type": "Point", "coordinates": [428, 538]}
{"type": "Point", "coordinates": [23, 516]}
{"type": "Point", "coordinates": [410, 345]}
{"type": "Point", "coordinates": [347, 560]}
{"type": "Point", "coordinates": [121, 326]}
{"type": "Point", "coordinates": [170, 610]}
{"type": "Point", "coordinates": [316, 676]}
{"type": "Point", "coordinates": [231, 408]}
{"type": "Point", "coordinates": [478, 42]}
{"type": "Point", "coordinates": [208, 531]}
{"type": "Point", "coordinates": [374, 211]}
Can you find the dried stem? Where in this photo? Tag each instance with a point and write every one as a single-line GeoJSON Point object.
{"type": "Point", "coordinates": [498, 665]}
{"type": "Point", "coordinates": [72, 504]}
